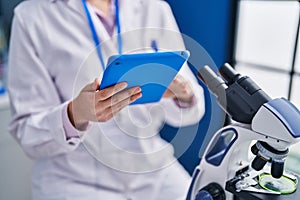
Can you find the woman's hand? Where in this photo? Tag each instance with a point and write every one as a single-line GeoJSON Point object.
{"type": "Point", "coordinates": [100, 105]}
{"type": "Point", "coordinates": [180, 89]}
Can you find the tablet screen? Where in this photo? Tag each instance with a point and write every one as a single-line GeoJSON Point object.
{"type": "Point", "coordinates": [153, 72]}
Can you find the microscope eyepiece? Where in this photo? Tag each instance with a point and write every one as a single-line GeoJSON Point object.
{"type": "Point", "coordinates": [229, 74]}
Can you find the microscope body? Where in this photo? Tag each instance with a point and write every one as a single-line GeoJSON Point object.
{"type": "Point", "coordinates": [273, 124]}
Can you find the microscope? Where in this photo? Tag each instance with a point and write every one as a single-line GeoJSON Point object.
{"type": "Point", "coordinates": [245, 159]}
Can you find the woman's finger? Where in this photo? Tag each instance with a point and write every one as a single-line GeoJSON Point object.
{"type": "Point", "coordinates": [110, 91]}
{"type": "Point", "coordinates": [113, 110]}
{"type": "Point", "coordinates": [115, 99]}
{"type": "Point", "coordinates": [119, 106]}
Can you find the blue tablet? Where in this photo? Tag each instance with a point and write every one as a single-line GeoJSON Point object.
{"type": "Point", "coordinates": [153, 72]}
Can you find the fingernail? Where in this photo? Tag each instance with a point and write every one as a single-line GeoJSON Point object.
{"type": "Point", "coordinates": [123, 85]}
{"type": "Point", "coordinates": [137, 90]}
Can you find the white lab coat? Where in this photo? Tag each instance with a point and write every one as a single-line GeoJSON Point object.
{"type": "Point", "coordinates": [52, 57]}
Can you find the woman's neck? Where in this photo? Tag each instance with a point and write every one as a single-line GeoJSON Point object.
{"type": "Point", "coordinates": [103, 5]}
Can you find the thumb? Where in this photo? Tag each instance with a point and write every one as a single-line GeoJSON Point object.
{"type": "Point", "coordinates": [93, 86]}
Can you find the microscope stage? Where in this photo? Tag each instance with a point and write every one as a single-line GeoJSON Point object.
{"type": "Point", "coordinates": [246, 195]}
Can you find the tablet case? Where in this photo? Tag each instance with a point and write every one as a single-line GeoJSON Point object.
{"type": "Point", "coordinates": [153, 72]}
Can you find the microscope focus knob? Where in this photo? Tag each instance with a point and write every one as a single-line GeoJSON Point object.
{"type": "Point", "coordinates": [212, 191]}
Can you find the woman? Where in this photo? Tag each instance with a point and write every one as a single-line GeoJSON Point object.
{"type": "Point", "coordinates": [86, 143]}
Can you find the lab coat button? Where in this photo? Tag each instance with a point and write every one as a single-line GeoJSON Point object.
{"type": "Point", "coordinates": [71, 143]}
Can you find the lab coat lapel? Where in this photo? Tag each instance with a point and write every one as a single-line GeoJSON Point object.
{"type": "Point", "coordinates": [77, 6]}
{"type": "Point", "coordinates": [131, 24]}
{"type": "Point", "coordinates": [130, 18]}
{"type": "Point", "coordinates": [108, 44]}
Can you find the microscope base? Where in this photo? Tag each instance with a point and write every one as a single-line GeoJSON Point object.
{"type": "Point", "coordinates": [246, 195]}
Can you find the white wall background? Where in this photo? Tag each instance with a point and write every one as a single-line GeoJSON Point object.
{"type": "Point", "coordinates": [266, 36]}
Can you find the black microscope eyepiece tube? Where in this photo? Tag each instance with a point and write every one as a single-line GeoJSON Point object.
{"type": "Point", "coordinates": [229, 74]}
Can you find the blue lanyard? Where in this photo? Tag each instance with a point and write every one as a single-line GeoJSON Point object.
{"type": "Point", "coordinates": [95, 35]}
